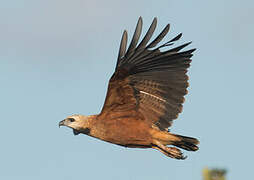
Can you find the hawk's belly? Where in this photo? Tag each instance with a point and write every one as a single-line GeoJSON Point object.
{"type": "Point", "coordinates": [127, 132]}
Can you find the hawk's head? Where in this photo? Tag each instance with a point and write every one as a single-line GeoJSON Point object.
{"type": "Point", "coordinates": [79, 124]}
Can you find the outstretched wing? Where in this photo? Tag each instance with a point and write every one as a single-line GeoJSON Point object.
{"type": "Point", "coordinates": [148, 81]}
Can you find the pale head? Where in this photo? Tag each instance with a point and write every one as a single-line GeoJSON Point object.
{"type": "Point", "coordinates": [79, 123]}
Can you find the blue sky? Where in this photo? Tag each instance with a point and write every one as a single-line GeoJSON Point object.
{"type": "Point", "coordinates": [56, 58]}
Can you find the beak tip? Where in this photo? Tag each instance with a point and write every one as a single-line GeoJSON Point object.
{"type": "Point", "coordinates": [61, 123]}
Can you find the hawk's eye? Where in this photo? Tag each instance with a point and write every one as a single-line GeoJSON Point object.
{"type": "Point", "coordinates": [72, 119]}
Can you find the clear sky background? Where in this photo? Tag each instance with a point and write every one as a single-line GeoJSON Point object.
{"type": "Point", "coordinates": [56, 57]}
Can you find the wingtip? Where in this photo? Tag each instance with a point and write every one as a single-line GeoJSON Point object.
{"type": "Point", "coordinates": [155, 21]}
{"type": "Point", "coordinates": [125, 32]}
{"type": "Point", "coordinates": [194, 49]}
{"type": "Point", "coordinates": [168, 26]}
{"type": "Point", "coordinates": [124, 36]}
{"type": "Point", "coordinates": [140, 19]}
{"type": "Point", "coordinates": [179, 36]}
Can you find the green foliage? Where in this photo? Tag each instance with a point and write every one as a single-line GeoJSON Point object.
{"type": "Point", "coordinates": [214, 174]}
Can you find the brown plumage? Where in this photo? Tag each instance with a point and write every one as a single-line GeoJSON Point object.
{"type": "Point", "coordinates": [145, 94]}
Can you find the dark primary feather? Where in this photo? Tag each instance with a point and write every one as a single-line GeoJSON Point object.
{"type": "Point", "coordinates": [151, 81]}
{"type": "Point", "coordinates": [135, 39]}
{"type": "Point", "coordinates": [142, 45]}
{"type": "Point", "coordinates": [122, 47]}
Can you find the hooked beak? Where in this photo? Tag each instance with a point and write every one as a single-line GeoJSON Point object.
{"type": "Point", "coordinates": [61, 123]}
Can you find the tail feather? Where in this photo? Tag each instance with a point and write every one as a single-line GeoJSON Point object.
{"type": "Point", "coordinates": [187, 143]}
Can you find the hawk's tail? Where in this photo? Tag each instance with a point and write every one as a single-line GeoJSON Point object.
{"type": "Point", "coordinates": [187, 143]}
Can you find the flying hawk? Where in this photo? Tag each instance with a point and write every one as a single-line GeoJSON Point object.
{"type": "Point", "coordinates": [145, 94]}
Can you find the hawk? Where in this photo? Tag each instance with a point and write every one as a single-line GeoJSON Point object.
{"type": "Point", "coordinates": [145, 94]}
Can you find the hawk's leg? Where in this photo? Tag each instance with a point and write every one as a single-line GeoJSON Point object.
{"type": "Point", "coordinates": [168, 151]}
